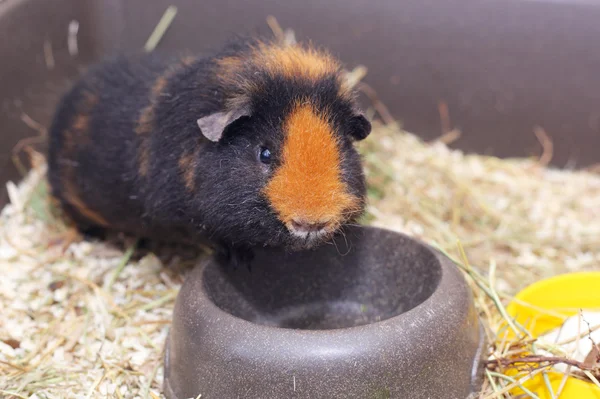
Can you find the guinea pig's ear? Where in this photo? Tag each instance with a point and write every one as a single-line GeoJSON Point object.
{"type": "Point", "coordinates": [213, 125]}
{"type": "Point", "coordinates": [360, 127]}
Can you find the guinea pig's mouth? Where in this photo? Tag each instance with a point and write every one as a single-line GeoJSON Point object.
{"type": "Point", "coordinates": [308, 235]}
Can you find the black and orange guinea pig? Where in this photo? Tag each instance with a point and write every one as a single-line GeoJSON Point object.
{"type": "Point", "coordinates": [251, 145]}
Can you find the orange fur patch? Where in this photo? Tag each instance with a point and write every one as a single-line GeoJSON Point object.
{"type": "Point", "coordinates": [90, 99]}
{"type": "Point", "coordinates": [187, 166]}
{"type": "Point", "coordinates": [72, 198]}
{"type": "Point", "coordinates": [295, 60]}
{"type": "Point", "coordinates": [145, 122]}
{"type": "Point", "coordinates": [70, 190]}
{"type": "Point", "coordinates": [308, 186]}
{"type": "Point", "coordinates": [81, 123]}
{"type": "Point", "coordinates": [230, 64]}
{"type": "Point", "coordinates": [144, 157]}
{"type": "Point", "coordinates": [146, 119]}
{"type": "Point", "coordinates": [143, 129]}
{"type": "Point", "coordinates": [290, 61]}
{"type": "Point", "coordinates": [159, 86]}
{"type": "Point", "coordinates": [78, 135]}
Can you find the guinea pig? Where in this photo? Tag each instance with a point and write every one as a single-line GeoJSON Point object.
{"type": "Point", "coordinates": [251, 145]}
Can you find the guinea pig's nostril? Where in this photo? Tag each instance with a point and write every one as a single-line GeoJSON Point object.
{"type": "Point", "coordinates": [306, 226]}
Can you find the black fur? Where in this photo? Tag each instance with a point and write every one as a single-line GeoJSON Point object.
{"type": "Point", "coordinates": [226, 206]}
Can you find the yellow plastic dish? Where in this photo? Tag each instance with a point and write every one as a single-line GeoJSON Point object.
{"type": "Point", "coordinates": [544, 306]}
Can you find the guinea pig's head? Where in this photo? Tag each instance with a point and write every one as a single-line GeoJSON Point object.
{"type": "Point", "coordinates": [289, 124]}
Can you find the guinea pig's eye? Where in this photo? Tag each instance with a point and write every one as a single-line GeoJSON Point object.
{"type": "Point", "coordinates": [264, 155]}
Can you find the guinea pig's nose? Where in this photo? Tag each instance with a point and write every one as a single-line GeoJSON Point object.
{"type": "Point", "coordinates": [304, 226]}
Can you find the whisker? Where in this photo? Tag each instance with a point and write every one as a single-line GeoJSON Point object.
{"type": "Point", "coordinates": [354, 225]}
{"type": "Point", "coordinates": [348, 246]}
{"type": "Point", "coordinates": [336, 247]}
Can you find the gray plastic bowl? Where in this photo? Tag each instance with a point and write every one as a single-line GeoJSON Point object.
{"type": "Point", "coordinates": [378, 315]}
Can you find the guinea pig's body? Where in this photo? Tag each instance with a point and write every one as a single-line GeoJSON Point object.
{"type": "Point", "coordinates": [252, 145]}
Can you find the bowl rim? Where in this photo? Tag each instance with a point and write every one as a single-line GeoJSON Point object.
{"type": "Point", "coordinates": [451, 278]}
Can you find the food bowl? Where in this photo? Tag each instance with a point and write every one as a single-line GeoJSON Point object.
{"type": "Point", "coordinates": [376, 314]}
